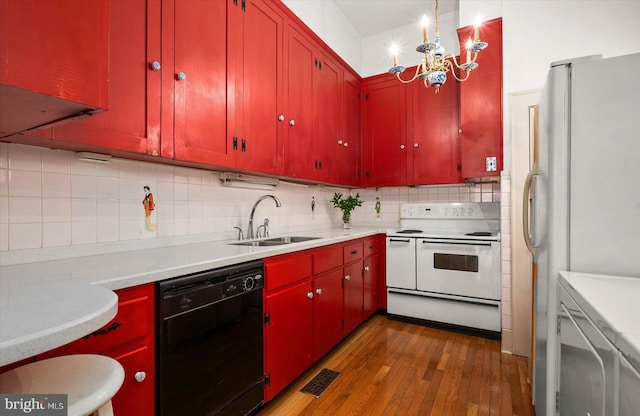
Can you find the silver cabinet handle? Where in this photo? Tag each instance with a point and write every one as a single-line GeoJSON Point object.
{"type": "Point", "coordinates": [347, 277]}
{"type": "Point", "coordinates": [155, 65]}
{"type": "Point", "coordinates": [340, 141]}
{"type": "Point", "coordinates": [415, 145]}
{"type": "Point", "coordinates": [181, 76]}
{"type": "Point", "coordinates": [140, 376]}
{"type": "Point", "coordinates": [292, 122]}
{"type": "Point", "coordinates": [281, 117]}
{"type": "Point", "coordinates": [346, 144]}
{"type": "Point", "coordinates": [366, 268]}
{"type": "Point", "coordinates": [319, 291]}
{"type": "Point", "coordinates": [402, 146]}
{"type": "Point", "coordinates": [310, 295]}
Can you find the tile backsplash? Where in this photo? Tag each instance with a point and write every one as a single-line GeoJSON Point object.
{"type": "Point", "coordinates": [53, 205]}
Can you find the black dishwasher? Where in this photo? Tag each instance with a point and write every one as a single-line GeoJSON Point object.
{"type": "Point", "coordinates": [209, 342]}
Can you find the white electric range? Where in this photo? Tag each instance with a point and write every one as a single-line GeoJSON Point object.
{"type": "Point", "coordinates": [443, 265]}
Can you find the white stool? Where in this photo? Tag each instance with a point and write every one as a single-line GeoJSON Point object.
{"type": "Point", "coordinates": [89, 380]}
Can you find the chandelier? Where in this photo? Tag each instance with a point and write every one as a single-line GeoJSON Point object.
{"type": "Point", "coordinates": [433, 67]}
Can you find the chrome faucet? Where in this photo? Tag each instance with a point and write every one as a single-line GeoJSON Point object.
{"type": "Point", "coordinates": [253, 211]}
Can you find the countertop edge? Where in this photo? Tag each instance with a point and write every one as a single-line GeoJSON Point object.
{"type": "Point", "coordinates": [97, 307]}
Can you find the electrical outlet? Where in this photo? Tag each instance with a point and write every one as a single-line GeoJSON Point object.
{"type": "Point", "coordinates": [492, 164]}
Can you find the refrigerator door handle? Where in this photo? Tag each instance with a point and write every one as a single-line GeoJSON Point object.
{"type": "Point", "coordinates": [528, 240]}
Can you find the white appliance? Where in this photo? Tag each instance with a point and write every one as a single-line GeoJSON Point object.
{"type": "Point", "coordinates": [585, 196]}
{"type": "Point", "coordinates": [443, 265]}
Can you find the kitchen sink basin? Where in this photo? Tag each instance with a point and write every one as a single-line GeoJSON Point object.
{"type": "Point", "coordinates": [278, 241]}
{"type": "Point", "coordinates": [289, 240]}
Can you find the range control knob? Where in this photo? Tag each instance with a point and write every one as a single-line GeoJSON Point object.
{"type": "Point", "coordinates": [248, 283]}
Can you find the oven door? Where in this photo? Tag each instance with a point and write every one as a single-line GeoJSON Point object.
{"type": "Point", "coordinates": [401, 262]}
{"type": "Point", "coordinates": [459, 267]}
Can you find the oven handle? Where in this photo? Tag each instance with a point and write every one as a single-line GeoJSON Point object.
{"type": "Point", "coordinates": [396, 240]}
{"type": "Point", "coordinates": [456, 243]}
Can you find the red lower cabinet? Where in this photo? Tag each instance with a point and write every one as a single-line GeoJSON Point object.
{"type": "Point", "coordinates": [370, 286]}
{"type": "Point", "coordinates": [130, 339]}
{"type": "Point", "coordinates": [136, 396]}
{"type": "Point", "coordinates": [312, 300]}
{"type": "Point", "coordinates": [352, 296]}
{"type": "Point", "coordinates": [327, 313]}
{"type": "Point", "coordinates": [288, 330]}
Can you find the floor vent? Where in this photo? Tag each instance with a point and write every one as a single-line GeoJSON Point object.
{"type": "Point", "coordinates": [320, 383]}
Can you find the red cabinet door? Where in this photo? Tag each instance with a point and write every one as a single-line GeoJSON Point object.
{"type": "Point", "coordinates": [370, 286]}
{"type": "Point", "coordinates": [130, 339]}
{"type": "Point", "coordinates": [258, 87]}
{"type": "Point", "coordinates": [287, 335]}
{"type": "Point", "coordinates": [434, 150]}
{"type": "Point", "coordinates": [136, 396]}
{"type": "Point", "coordinates": [327, 312]}
{"type": "Point", "coordinates": [54, 58]}
{"type": "Point", "coordinates": [327, 119]}
{"type": "Point", "coordinates": [349, 141]}
{"type": "Point", "coordinates": [133, 120]}
{"type": "Point", "coordinates": [384, 139]}
{"type": "Point", "coordinates": [198, 81]}
{"type": "Point", "coordinates": [298, 115]}
{"type": "Point", "coordinates": [353, 300]}
{"type": "Point", "coordinates": [481, 104]}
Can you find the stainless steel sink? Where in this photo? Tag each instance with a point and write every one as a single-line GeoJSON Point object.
{"type": "Point", "coordinates": [278, 241]}
{"type": "Point", "coordinates": [289, 240]}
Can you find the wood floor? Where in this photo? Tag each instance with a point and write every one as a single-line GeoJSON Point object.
{"type": "Point", "coordinates": [394, 368]}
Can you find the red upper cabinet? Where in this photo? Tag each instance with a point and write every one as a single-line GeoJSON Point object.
{"type": "Point", "coordinates": [349, 141]}
{"type": "Point", "coordinates": [299, 68]}
{"type": "Point", "coordinates": [195, 79]}
{"type": "Point", "coordinates": [256, 36]}
{"type": "Point", "coordinates": [481, 105]}
{"type": "Point", "coordinates": [133, 120]}
{"type": "Point", "coordinates": [433, 153]}
{"type": "Point", "coordinates": [54, 61]}
{"type": "Point", "coordinates": [312, 108]}
{"type": "Point", "coordinates": [384, 141]}
{"type": "Point", "coordinates": [327, 120]}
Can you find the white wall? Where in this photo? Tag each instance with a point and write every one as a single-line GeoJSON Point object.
{"type": "Point", "coordinates": [328, 22]}
{"type": "Point", "coordinates": [376, 57]}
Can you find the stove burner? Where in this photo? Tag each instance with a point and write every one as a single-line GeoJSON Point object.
{"type": "Point", "coordinates": [408, 232]}
{"type": "Point", "coordinates": [480, 234]}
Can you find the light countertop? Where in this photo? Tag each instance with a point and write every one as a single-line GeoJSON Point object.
{"type": "Point", "coordinates": [613, 304]}
{"type": "Point", "coordinates": [47, 304]}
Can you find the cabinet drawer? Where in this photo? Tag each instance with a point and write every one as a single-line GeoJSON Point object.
{"type": "Point", "coordinates": [327, 259]}
{"type": "Point", "coordinates": [281, 271]}
{"type": "Point", "coordinates": [134, 320]}
{"type": "Point", "coordinates": [371, 246]}
{"type": "Point", "coordinates": [353, 252]}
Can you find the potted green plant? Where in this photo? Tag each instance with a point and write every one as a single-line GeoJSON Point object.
{"type": "Point", "coordinates": [347, 205]}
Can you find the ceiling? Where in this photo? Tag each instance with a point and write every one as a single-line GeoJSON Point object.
{"type": "Point", "coordinates": [371, 17]}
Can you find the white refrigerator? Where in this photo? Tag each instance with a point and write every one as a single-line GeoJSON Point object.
{"type": "Point", "coordinates": [585, 191]}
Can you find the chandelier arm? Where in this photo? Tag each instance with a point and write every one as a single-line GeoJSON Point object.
{"type": "Point", "coordinates": [412, 79]}
{"type": "Point", "coordinates": [453, 58]}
